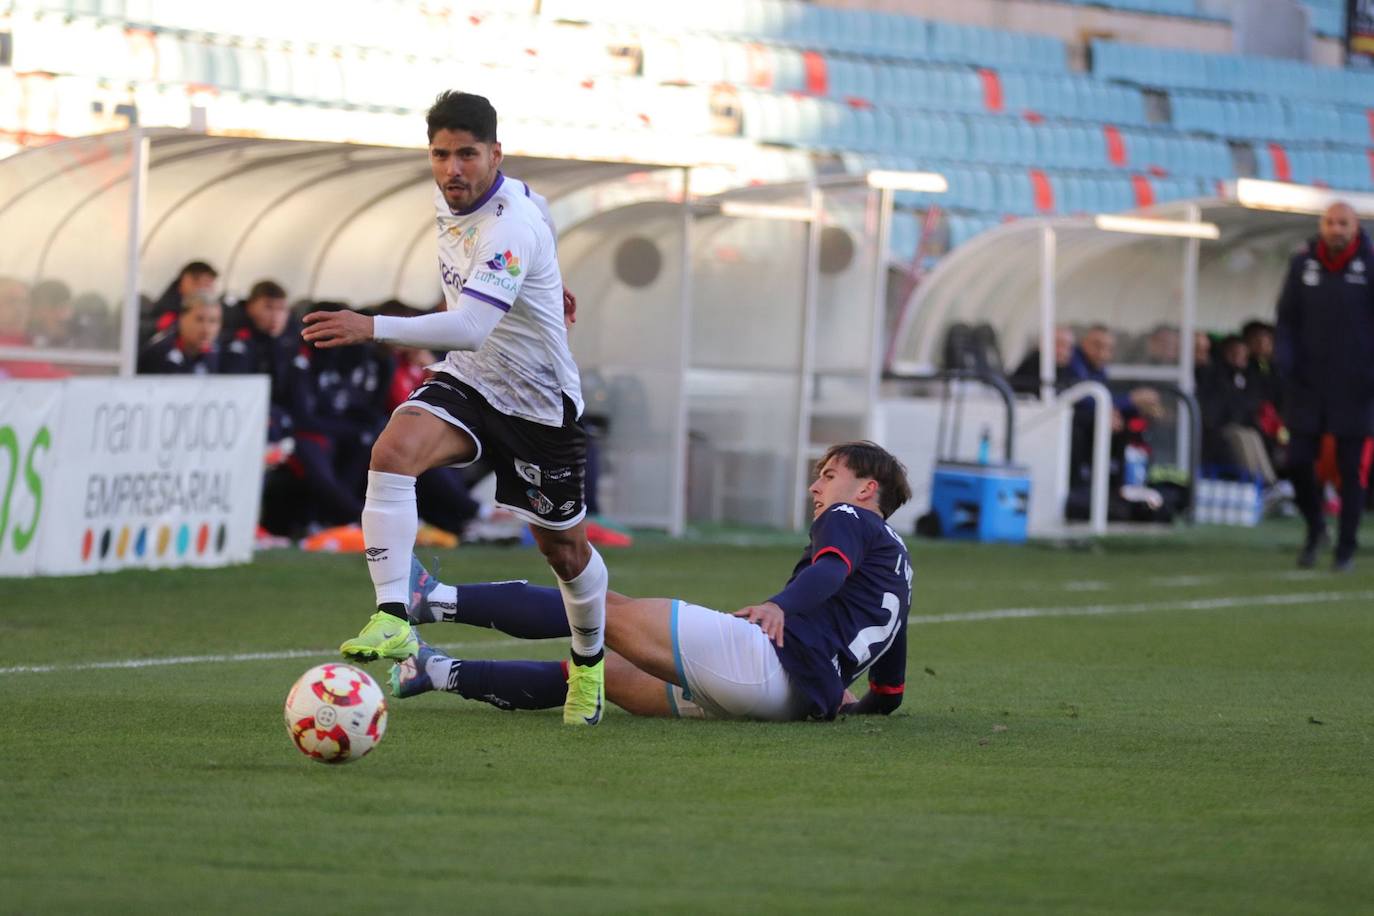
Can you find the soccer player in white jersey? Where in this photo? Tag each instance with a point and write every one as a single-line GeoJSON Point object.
{"type": "Point", "coordinates": [507, 391]}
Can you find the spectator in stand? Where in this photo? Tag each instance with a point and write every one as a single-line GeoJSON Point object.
{"type": "Point", "coordinates": [93, 324]}
{"type": "Point", "coordinates": [196, 278]}
{"type": "Point", "coordinates": [1264, 380]}
{"type": "Point", "coordinates": [1161, 346]}
{"type": "Point", "coordinates": [1130, 410]}
{"type": "Point", "coordinates": [265, 339]}
{"type": "Point", "coordinates": [1324, 345]}
{"type": "Point", "coordinates": [50, 316]}
{"type": "Point", "coordinates": [1026, 378]}
{"type": "Point", "coordinates": [191, 345]}
{"type": "Point", "coordinates": [15, 306]}
{"type": "Point", "coordinates": [1203, 361]}
{"type": "Point", "coordinates": [1230, 415]}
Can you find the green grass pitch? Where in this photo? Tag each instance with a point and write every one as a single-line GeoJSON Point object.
{"type": "Point", "coordinates": [1182, 725]}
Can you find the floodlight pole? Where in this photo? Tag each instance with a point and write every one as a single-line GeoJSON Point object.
{"type": "Point", "coordinates": [138, 188]}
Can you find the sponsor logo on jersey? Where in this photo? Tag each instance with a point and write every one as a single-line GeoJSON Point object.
{"type": "Point", "coordinates": [506, 261]}
{"type": "Point", "coordinates": [529, 473]}
{"type": "Point", "coordinates": [558, 473]}
{"type": "Point", "coordinates": [538, 501]}
{"type": "Point", "coordinates": [450, 275]}
{"type": "Point", "coordinates": [492, 278]}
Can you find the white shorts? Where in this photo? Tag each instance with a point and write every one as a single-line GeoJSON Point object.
{"type": "Point", "coordinates": [729, 668]}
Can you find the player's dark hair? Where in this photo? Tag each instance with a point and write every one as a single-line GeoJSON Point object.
{"type": "Point", "coordinates": [196, 300]}
{"type": "Point", "coordinates": [1256, 326]}
{"type": "Point", "coordinates": [266, 289]}
{"type": "Point", "coordinates": [462, 111]}
{"type": "Point", "coordinates": [868, 459]}
{"type": "Point", "coordinates": [198, 269]}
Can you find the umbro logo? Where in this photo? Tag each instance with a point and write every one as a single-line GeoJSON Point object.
{"type": "Point", "coordinates": [586, 631]}
{"type": "Point", "coordinates": [375, 553]}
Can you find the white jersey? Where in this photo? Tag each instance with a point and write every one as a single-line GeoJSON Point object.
{"type": "Point", "coordinates": [502, 252]}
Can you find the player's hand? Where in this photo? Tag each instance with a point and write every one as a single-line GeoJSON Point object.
{"type": "Point", "coordinates": [768, 616]}
{"type": "Point", "coordinates": [337, 329]}
{"type": "Point", "coordinates": [569, 307]}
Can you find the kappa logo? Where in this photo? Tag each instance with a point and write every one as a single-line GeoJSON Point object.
{"type": "Point", "coordinates": [538, 501]}
{"type": "Point", "coordinates": [529, 473]}
{"type": "Point", "coordinates": [505, 261]}
{"type": "Point", "coordinates": [844, 508]}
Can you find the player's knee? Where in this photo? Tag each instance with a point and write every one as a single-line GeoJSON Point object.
{"type": "Point", "coordinates": [567, 558]}
{"type": "Point", "coordinates": [392, 456]}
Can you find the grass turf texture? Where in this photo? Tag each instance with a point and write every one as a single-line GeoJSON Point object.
{"type": "Point", "coordinates": [1213, 757]}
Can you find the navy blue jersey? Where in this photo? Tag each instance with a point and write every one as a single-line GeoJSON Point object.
{"type": "Point", "coordinates": [829, 644]}
{"type": "Point", "coordinates": [163, 355]}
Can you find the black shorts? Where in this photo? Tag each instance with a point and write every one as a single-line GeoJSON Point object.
{"type": "Point", "coordinates": [540, 470]}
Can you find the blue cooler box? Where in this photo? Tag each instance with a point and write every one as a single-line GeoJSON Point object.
{"type": "Point", "coordinates": [981, 502]}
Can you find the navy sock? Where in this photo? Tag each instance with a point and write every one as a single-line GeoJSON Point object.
{"type": "Point", "coordinates": [515, 608]}
{"type": "Point", "coordinates": [510, 685]}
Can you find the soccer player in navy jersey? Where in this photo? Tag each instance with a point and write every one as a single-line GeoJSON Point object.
{"type": "Point", "coordinates": [843, 613]}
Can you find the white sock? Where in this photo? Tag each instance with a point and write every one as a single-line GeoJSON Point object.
{"type": "Point", "coordinates": [441, 669]}
{"type": "Point", "coordinates": [390, 523]}
{"type": "Point", "coordinates": [584, 599]}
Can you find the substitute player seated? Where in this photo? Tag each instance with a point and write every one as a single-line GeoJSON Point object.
{"type": "Point", "coordinates": [842, 613]}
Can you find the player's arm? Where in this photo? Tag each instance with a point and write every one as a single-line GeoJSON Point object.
{"type": "Point", "coordinates": [807, 590]}
{"type": "Point", "coordinates": [886, 682]}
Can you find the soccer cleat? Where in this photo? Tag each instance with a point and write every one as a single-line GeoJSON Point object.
{"type": "Point", "coordinates": [586, 693]}
{"type": "Point", "coordinates": [1344, 560]}
{"type": "Point", "coordinates": [385, 636]}
{"type": "Point", "coordinates": [422, 585]}
{"type": "Point", "coordinates": [1307, 557]}
{"type": "Point", "coordinates": [410, 677]}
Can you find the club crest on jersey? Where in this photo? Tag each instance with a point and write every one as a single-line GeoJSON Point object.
{"type": "Point", "coordinates": [469, 241]}
{"type": "Point", "coordinates": [530, 473]}
{"type": "Point", "coordinates": [538, 501]}
{"type": "Point", "coordinates": [506, 261]}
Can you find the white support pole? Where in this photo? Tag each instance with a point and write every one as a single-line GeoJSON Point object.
{"type": "Point", "coordinates": [677, 504]}
{"type": "Point", "coordinates": [808, 358]}
{"type": "Point", "coordinates": [1187, 331]}
{"type": "Point", "coordinates": [883, 198]}
{"type": "Point", "coordinates": [138, 187]}
{"type": "Point", "coordinates": [1188, 324]}
{"type": "Point", "coordinates": [1048, 370]}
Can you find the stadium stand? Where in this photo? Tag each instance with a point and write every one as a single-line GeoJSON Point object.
{"type": "Point", "coordinates": [1013, 119]}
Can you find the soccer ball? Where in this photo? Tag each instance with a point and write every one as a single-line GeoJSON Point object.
{"type": "Point", "coordinates": [335, 713]}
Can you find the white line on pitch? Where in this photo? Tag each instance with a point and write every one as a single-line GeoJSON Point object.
{"type": "Point", "coordinates": [229, 659]}
{"type": "Point", "coordinates": [1100, 610]}
{"type": "Point", "coordinates": [1011, 613]}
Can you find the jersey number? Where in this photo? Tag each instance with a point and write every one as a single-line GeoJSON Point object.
{"type": "Point", "coordinates": [862, 646]}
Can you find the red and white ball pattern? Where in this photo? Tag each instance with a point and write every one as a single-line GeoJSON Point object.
{"type": "Point", "coordinates": [335, 713]}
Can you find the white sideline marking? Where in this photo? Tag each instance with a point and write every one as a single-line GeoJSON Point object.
{"type": "Point", "coordinates": [1101, 610]}
{"type": "Point", "coordinates": [228, 659]}
{"type": "Point", "coordinates": [1010, 613]}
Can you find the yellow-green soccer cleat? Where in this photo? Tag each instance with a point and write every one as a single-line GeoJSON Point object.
{"type": "Point", "coordinates": [385, 636]}
{"type": "Point", "coordinates": [586, 693]}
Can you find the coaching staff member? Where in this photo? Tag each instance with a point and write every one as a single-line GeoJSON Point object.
{"type": "Point", "coordinates": [1325, 354]}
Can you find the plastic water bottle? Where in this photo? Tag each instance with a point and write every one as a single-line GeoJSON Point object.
{"type": "Point", "coordinates": [1134, 466]}
{"type": "Point", "coordinates": [985, 446]}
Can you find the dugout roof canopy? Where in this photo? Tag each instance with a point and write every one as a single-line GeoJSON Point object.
{"type": "Point", "coordinates": [1129, 282]}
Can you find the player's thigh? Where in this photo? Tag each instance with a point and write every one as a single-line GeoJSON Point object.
{"type": "Point", "coordinates": [635, 691]}
{"type": "Point", "coordinates": [416, 440]}
{"type": "Point", "coordinates": [540, 470]}
{"type": "Point", "coordinates": [641, 630]}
